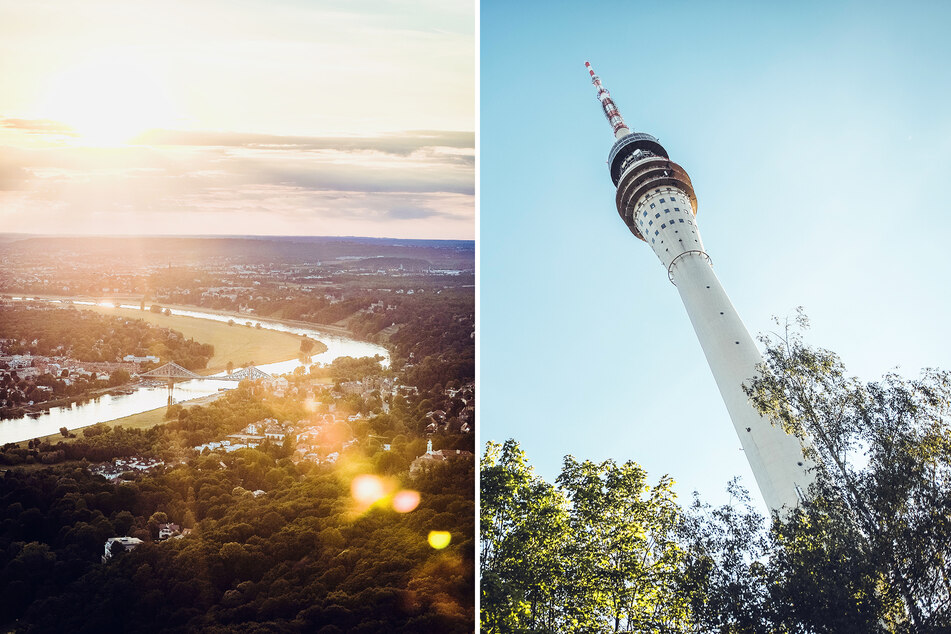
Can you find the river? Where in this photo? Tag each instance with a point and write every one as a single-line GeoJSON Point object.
{"type": "Point", "coordinates": [109, 407]}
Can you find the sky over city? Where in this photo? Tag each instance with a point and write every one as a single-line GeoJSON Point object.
{"type": "Point", "coordinates": [817, 137]}
{"type": "Point", "coordinates": [281, 118]}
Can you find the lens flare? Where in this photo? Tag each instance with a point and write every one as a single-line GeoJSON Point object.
{"type": "Point", "coordinates": [439, 539]}
{"type": "Point", "coordinates": [367, 489]}
{"type": "Point", "coordinates": [405, 501]}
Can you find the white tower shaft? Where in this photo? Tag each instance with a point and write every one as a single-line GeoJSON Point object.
{"type": "Point", "coordinates": [775, 457]}
{"type": "Point", "coordinates": [655, 198]}
{"type": "Point", "coordinates": [664, 217]}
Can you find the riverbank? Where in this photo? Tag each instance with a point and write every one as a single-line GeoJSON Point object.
{"type": "Point", "coordinates": [284, 346]}
{"type": "Point", "coordinates": [66, 401]}
{"type": "Point", "coordinates": [142, 420]}
{"type": "Point", "coordinates": [240, 318]}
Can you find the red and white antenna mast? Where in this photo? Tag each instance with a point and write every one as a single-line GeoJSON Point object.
{"type": "Point", "coordinates": [610, 110]}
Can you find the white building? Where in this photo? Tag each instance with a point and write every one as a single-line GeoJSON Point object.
{"type": "Point", "coordinates": [114, 543]}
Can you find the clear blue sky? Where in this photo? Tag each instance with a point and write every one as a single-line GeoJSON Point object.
{"type": "Point", "coordinates": [818, 138]}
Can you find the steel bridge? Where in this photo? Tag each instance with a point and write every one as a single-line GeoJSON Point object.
{"type": "Point", "coordinates": [174, 373]}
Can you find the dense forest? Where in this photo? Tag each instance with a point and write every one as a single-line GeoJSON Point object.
{"type": "Point", "coordinates": [433, 333]}
{"type": "Point", "coordinates": [435, 336]}
{"type": "Point", "coordinates": [88, 336]}
{"type": "Point", "coordinates": [299, 558]}
{"type": "Point", "coordinates": [275, 546]}
{"type": "Point", "coordinates": [603, 550]}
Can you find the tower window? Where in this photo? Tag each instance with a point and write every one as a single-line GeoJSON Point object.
{"type": "Point", "coordinates": [663, 226]}
{"type": "Point", "coordinates": [652, 240]}
{"type": "Point", "coordinates": [650, 223]}
{"type": "Point", "coordinates": [645, 215]}
{"type": "Point", "coordinates": [661, 200]}
{"type": "Point", "coordinates": [657, 215]}
{"type": "Point", "coordinates": [681, 220]}
{"type": "Point", "coordinates": [652, 205]}
{"type": "Point", "coordinates": [656, 232]}
{"type": "Point", "coordinates": [676, 208]}
{"type": "Point", "coordinates": [666, 211]}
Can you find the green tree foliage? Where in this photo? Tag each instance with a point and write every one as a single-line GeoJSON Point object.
{"type": "Point", "coordinates": [523, 524]}
{"type": "Point", "coordinates": [879, 525]}
{"type": "Point", "coordinates": [723, 577]}
{"type": "Point", "coordinates": [119, 377]}
{"type": "Point", "coordinates": [597, 553]}
{"type": "Point", "coordinates": [89, 336]}
{"type": "Point", "coordinates": [353, 369]}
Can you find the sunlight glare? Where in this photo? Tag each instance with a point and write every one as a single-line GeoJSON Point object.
{"type": "Point", "coordinates": [439, 539]}
{"type": "Point", "coordinates": [367, 489]}
{"type": "Point", "coordinates": [109, 99]}
{"type": "Point", "coordinates": [405, 501]}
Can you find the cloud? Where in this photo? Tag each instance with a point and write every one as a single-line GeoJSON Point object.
{"type": "Point", "coordinates": [403, 143]}
{"type": "Point", "coordinates": [37, 126]}
{"type": "Point", "coordinates": [386, 185]}
{"type": "Point", "coordinates": [190, 167]}
{"type": "Point", "coordinates": [406, 213]}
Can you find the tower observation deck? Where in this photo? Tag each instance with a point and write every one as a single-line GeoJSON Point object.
{"type": "Point", "coordinates": [656, 201]}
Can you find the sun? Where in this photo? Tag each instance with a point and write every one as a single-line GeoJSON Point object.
{"type": "Point", "coordinates": [109, 100]}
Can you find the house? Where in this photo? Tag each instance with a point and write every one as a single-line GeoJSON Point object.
{"type": "Point", "coordinates": [256, 429]}
{"type": "Point", "coordinates": [250, 440]}
{"type": "Point", "coordinates": [431, 458]}
{"type": "Point", "coordinates": [119, 544]}
{"type": "Point", "coordinates": [168, 530]}
{"type": "Point", "coordinates": [275, 433]}
{"type": "Point", "coordinates": [277, 385]}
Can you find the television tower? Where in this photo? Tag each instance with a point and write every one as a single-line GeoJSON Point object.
{"type": "Point", "coordinates": [655, 198]}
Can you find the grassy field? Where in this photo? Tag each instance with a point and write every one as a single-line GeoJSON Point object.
{"type": "Point", "coordinates": [237, 344]}
{"type": "Point", "coordinates": [142, 420]}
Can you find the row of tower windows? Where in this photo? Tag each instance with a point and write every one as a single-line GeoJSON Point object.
{"type": "Point", "coordinates": [650, 223]}
{"type": "Point", "coordinates": [666, 211]}
{"type": "Point", "coordinates": [672, 200]}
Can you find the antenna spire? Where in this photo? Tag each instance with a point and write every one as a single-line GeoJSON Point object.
{"type": "Point", "coordinates": [610, 110]}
